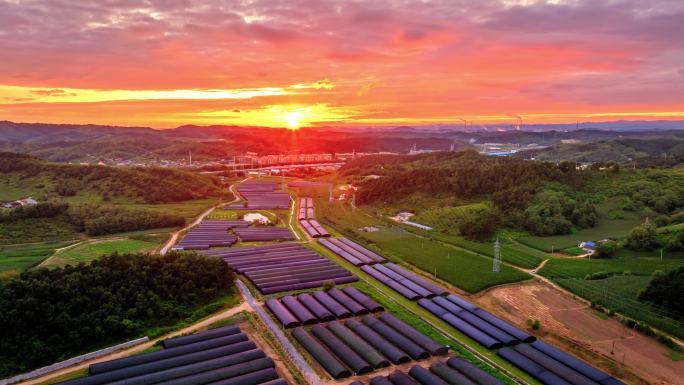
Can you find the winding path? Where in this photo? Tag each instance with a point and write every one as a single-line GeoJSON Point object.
{"type": "Point", "coordinates": [174, 236]}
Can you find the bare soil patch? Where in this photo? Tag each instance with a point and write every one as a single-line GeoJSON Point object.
{"type": "Point", "coordinates": [569, 322]}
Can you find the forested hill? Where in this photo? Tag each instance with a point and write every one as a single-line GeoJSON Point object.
{"type": "Point", "coordinates": [619, 150]}
{"type": "Point", "coordinates": [462, 175]}
{"type": "Point", "coordinates": [144, 185]}
{"type": "Point", "coordinates": [90, 143]}
{"type": "Point", "coordinates": [475, 195]}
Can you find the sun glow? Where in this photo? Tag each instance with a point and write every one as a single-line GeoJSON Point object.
{"type": "Point", "coordinates": [293, 120]}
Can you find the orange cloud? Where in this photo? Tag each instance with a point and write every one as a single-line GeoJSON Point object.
{"type": "Point", "coordinates": [167, 63]}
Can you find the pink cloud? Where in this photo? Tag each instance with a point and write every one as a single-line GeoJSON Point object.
{"type": "Point", "coordinates": [482, 55]}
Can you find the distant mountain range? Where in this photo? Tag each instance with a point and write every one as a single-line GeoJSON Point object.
{"type": "Point", "coordinates": [78, 143]}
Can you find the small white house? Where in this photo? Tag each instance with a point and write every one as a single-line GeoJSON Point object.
{"type": "Point", "coordinates": [20, 203]}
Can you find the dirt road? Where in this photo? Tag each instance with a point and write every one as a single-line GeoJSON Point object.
{"type": "Point", "coordinates": [174, 235]}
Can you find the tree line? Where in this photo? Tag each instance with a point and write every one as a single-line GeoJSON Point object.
{"type": "Point", "coordinates": [48, 315]}
{"type": "Point", "coordinates": [95, 219]}
{"type": "Point", "coordinates": [145, 184]}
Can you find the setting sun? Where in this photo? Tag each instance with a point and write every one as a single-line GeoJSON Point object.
{"type": "Point", "coordinates": [292, 119]}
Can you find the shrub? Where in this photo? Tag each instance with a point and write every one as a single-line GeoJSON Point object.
{"type": "Point", "coordinates": [665, 290]}
{"type": "Point", "coordinates": [605, 250]}
{"type": "Point", "coordinates": [667, 341]}
{"type": "Point", "coordinates": [662, 220]}
{"type": "Point", "coordinates": [643, 237]}
{"type": "Point", "coordinates": [645, 329]}
{"type": "Point", "coordinates": [676, 242]}
{"type": "Point", "coordinates": [534, 324]}
{"type": "Point", "coordinates": [598, 275]}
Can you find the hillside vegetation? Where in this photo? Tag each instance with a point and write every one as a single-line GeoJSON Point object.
{"type": "Point", "coordinates": [89, 218]}
{"type": "Point", "coordinates": [47, 315]}
{"type": "Point", "coordinates": [91, 143]}
{"type": "Point", "coordinates": [146, 185]}
{"type": "Point", "coordinates": [537, 197]}
{"type": "Point", "coordinates": [617, 150]}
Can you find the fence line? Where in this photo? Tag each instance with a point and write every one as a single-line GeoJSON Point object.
{"type": "Point", "coordinates": [290, 350]}
{"type": "Point", "coordinates": [71, 361]}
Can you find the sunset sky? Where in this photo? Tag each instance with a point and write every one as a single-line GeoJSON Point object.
{"type": "Point", "coordinates": [164, 63]}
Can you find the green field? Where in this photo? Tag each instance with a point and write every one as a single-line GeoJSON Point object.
{"type": "Point", "coordinates": [463, 269]}
{"type": "Point", "coordinates": [187, 209]}
{"type": "Point", "coordinates": [630, 272]}
{"type": "Point", "coordinates": [94, 249]}
{"type": "Point", "coordinates": [581, 267]}
{"type": "Point", "coordinates": [606, 228]}
{"type": "Point", "coordinates": [13, 187]}
{"type": "Point", "coordinates": [281, 215]}
{"type": "Point", "coordinates": [37, 230]}
{"type": "Point", "coordinates": [511, 251]}
{"type": "Point", "coordinates": [17, 258]}
{"type": "Point", "coordinates": [574, 251]}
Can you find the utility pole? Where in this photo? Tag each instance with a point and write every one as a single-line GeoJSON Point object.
{"type": "Point", "coordinates": [497, 256]}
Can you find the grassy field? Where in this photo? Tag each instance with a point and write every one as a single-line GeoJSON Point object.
{"type": "Point", "coordinates": [13, 187]}
{"type": "Point", "coordinates": [511, 251]}
{"type": "Point", "coordinates": [574, 251]}
{"type": "Point", "coordinates": [187, 209]}
{"type": "Point", "coordinates": [94, 249]}
{"type": "Point", "coordinates": [606, 228]}
{"type": "Point", "coordinates": [629, 273]}
{"type": "Point", "coordinates": [44, 235]}
{"type": "Point", "coordinates": [610, 225]}
{"type": "Point", "coordinates": [579, 268]}
{"type": "Point", "coordinates": [461, 268]}
{"type": "Point", "coordinates": [37, 230]}
{"type": "Point", "coordinates": [281, 215]}
{"type": "Point", "coordinates": [17, 258]}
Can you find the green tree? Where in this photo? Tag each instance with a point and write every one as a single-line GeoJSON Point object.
{"type": "Point", "coordinates": [643, 237]}
{"type": "Point", "coordinates": [49, 314]}
{"type": "Point", "coordinates": [666, 290]}
{"type": "Point", "coordinates": [605, 249]}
